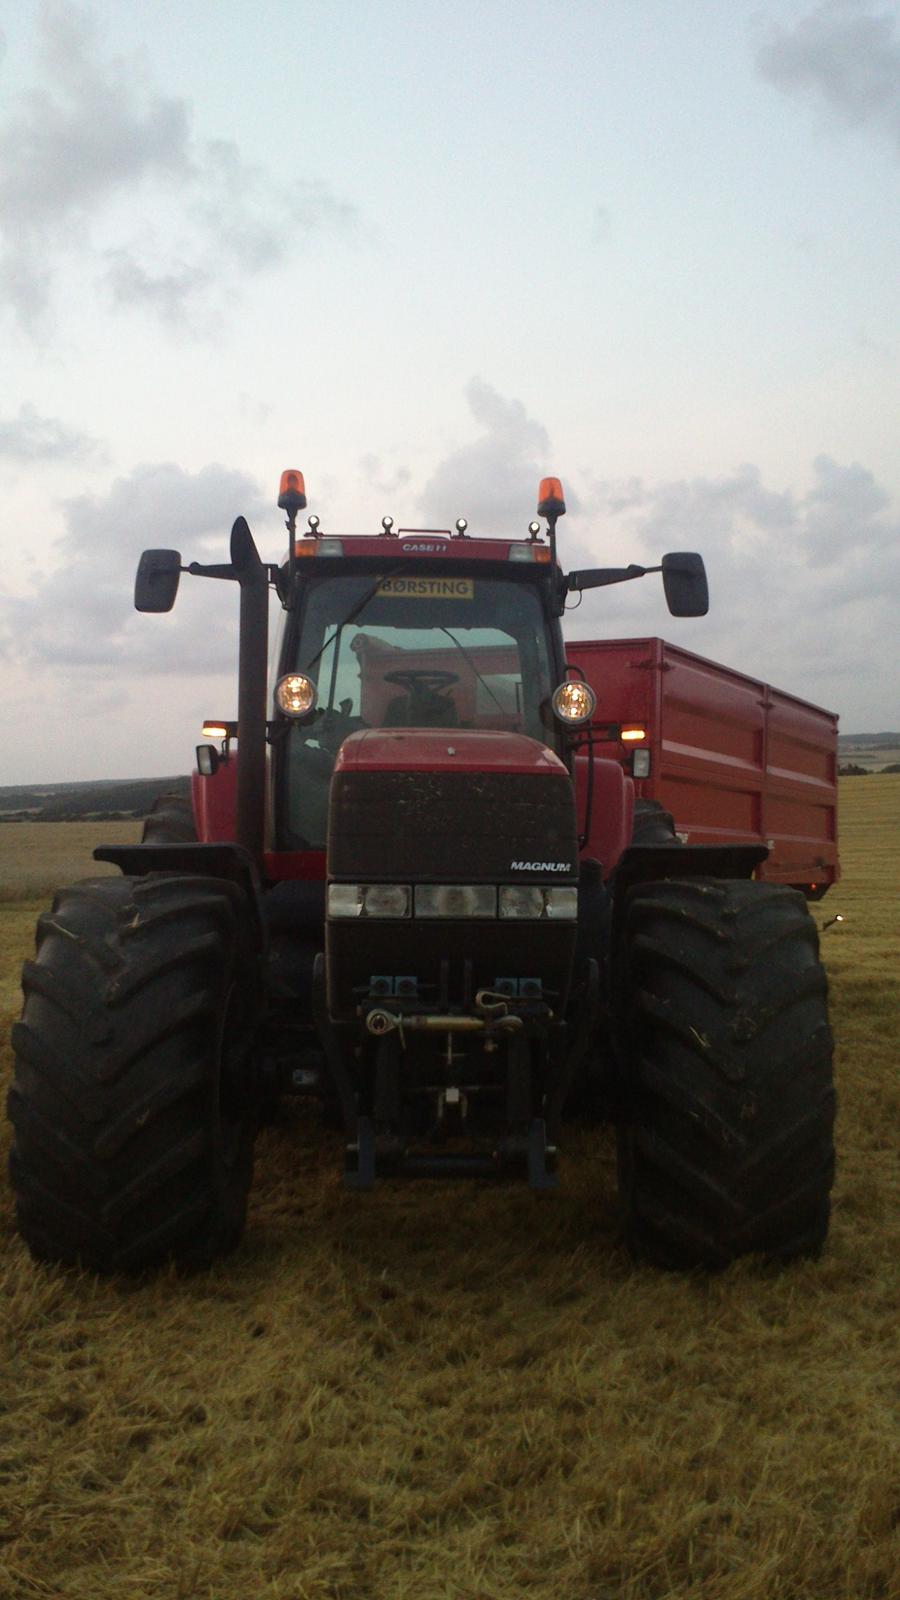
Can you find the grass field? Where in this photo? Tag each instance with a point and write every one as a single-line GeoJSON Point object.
{"type": "Point", "coordinates": [468, 1393]}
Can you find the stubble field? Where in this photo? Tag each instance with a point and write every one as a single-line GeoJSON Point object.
{"type": "Point", "coordinates": [469, 1393]}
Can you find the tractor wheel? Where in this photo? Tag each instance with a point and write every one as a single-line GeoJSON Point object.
{"type": "Point", "coordinates": [133, 1099]}
{"type": "Point", "coordinates": [652, 824]}
{"type": "Point", "coordinates": [726, 1147]}
{"type": "Point", "coordinates": [171, 821]}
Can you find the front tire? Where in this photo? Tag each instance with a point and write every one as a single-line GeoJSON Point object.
{"type": "Point", "coordinates": [132, 1101]}
{"type": "Point", "coordinates": [727, 1147]}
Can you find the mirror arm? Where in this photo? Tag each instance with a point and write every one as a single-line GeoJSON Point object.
{"type": "Point", "coordinates": [221, 570]}
{"type": "Point", "coordinates": [602, 577]}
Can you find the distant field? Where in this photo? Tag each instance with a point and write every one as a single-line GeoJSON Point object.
{"type": "Point", "coordinates": [874, 760]}
{"type": "Point", "coordinates": [874, 757]}
{"type": "Point", "coordinates": [466, 1392]}
{"type": "Point", "coordinates": [36, 857]}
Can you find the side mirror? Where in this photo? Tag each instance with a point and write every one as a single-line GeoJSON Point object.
{"type": "Point", "coordinates": [208, 760]}
{"type": "Point", "coordinates": [156, 584]}
{"type": "Point", "coordinates": [684, 581]}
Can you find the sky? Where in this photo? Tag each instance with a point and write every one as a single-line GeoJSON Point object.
{"type": "Point", "coordinates": [428, 255]}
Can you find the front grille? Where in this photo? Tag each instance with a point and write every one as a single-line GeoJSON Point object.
{"type": "Point", "coordinates": [456, 827]}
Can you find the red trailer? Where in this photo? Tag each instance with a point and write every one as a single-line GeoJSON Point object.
{"type": "Point", "coordinates": [734, 760]}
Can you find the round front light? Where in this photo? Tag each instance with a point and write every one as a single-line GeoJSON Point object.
{"type": "Point", "coordinates": [295, 694]}
{"type": "Point", "coordinates": [574, 702]}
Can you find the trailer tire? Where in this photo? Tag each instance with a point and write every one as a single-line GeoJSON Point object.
{"type": "Point", "coordinates": [133, 1098]}
{"type": "Point", "coordinates": [170, 821]}
{"type": "Point", "coordinates": [652, 824]}
{"type": "Point", "coordinates": [726, 1052]}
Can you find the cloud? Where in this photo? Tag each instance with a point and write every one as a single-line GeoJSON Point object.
{"type": "Point", "coordinates": [805, 588]}
{"type": "Point", "coordinates": [373, 473]}
{"type": "Point", "coordinates": [31, 437]}
{"type": "Point", "coordinates": [493, 480]}
{"type": "Point", "coordinates": [170, 292]}
{"type": "Point", "coordinates": [841, 519]}
{"type": "Point", "coordinates": [94, 134]}
{"type": "Point", "coordinates": [81, 616]}
{"type": "Point", "coordinates": [846, 58]}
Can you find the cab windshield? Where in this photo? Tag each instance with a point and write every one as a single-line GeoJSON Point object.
{"type": "Point", "coordinates": [409, 650]}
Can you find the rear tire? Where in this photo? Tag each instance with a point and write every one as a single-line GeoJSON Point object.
{"type": "Point", "coordinates": [727, 1148]}
{"type": "Point", "coordinates": [132, 1101]}
{"type": "Point", "coordinates": [652, 824]}
{"type": "Point", "coordinates": [171, 821]}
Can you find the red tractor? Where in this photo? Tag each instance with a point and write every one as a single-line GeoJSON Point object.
{"type": "Point", "coordinates": [408, 886]}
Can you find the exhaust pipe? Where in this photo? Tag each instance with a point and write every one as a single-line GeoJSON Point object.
{"type": "Point", "coordinates": [253, 578]}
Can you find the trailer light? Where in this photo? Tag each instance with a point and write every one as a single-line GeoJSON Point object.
{"type": "Point", "coordinates": [369, 900]}
{"type": "Point", "coordinates": [529, 902]}
{"type": "Point", "coordinates": [640, 764]}
{"type": "Point", "coordinates": [574, 702]}
{"type": "Point", "coordinates": [295, 694]}
{"type": "Point", "coordinates": [632, 733]}
{"type": "Point", "coordinates": [455, 900]}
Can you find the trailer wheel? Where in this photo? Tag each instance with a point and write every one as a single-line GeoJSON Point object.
{"type": "Point", "coordinates": [652, 824]}
{"type": "Point", "coordinates": [170, 821]}
{"type": "Point", "coordinates": [727, 1144]}
{"type": "Point", "coordinates": [132, 1101]}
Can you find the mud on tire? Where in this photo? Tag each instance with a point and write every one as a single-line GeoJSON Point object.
{"type": "Point", "coordinates": [727, 1147]}
{"type": "Point", "coordinates": [132, 1101]}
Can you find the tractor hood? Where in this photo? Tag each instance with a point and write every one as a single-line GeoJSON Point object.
{"type": "Point", "coordinates": [446, 750]}
{"type": "Point", "coordinates": [431, 804]}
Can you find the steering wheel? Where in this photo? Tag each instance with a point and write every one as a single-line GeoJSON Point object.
{"type": "Point", "coordinates": [421, 680]}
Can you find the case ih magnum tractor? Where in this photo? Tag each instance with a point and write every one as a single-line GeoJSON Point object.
{"type": "Point", "coordinates": [412, 889]}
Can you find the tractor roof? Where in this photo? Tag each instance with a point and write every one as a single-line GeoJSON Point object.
{"type": "Point", "coordinates": [427, 543]}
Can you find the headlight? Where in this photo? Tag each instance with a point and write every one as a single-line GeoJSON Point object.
{"type": "Point", "coordinates": [456, 900]}
{"type": "Point", "coordinates": [530, 902]}
{"type": "Point", "coordinates": [574, 702]}
{"type": "Point", "coordinates": [295, 694]}
{"type": "Point", "coordinates": [369, 900]}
